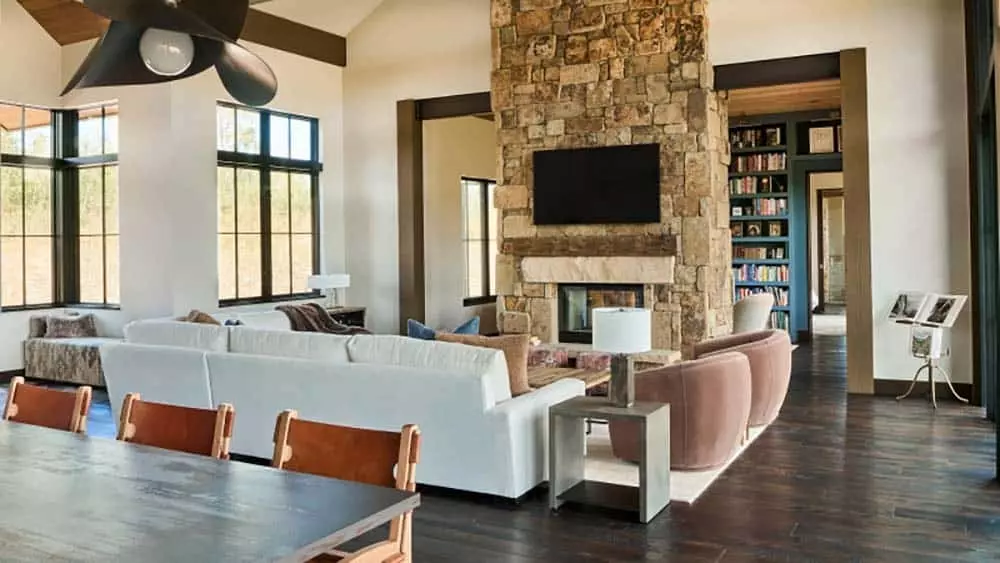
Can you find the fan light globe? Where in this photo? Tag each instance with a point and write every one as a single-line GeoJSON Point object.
{"type": "Point", "coordinates": [167, 53]}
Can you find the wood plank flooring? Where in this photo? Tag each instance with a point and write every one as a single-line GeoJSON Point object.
{"type": "Point", "coordinates": [834, 479]}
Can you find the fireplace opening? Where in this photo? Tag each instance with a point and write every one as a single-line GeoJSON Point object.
{"type": "Point", "coordinates": [576, 301]}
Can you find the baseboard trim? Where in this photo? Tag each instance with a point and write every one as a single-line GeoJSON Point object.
{"type": "Point", "coordinates": [6, 376]}
{"type": "Point", "coordinates": [896, 387]}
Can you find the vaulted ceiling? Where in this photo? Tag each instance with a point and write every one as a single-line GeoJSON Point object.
{"type": "Point", "coordinates": [69, 21]}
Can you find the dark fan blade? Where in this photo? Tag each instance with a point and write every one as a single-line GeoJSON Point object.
{"type": "Point", "coordinates": [115, 60]}
{"type": "Point", "coordinates": [156, 13]}
{"type": "Point", "coordinates": [246, 76]}
{"type": "Point", "coordinates": [227, 16]}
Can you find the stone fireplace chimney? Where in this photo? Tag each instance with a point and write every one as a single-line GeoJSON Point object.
{"type": "Point", "coordinates": [595, 73]}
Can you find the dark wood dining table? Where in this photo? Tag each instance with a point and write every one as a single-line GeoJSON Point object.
{"type": "Point", "coordinates": [66, 497]}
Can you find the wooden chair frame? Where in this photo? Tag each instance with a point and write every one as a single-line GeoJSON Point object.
{"type": "Point", "coordinates": [221, 437]}
{"type": "Point", "coordinates": [398, 548]}
{"type": "Point", "coordinates": [81, 405]}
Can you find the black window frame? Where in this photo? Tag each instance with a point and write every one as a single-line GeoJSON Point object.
{"type": "Point", "coordinates": [265, 164]}
{"type": "Point", "coordinates": [65, 165]}
{"type": "Point", "coordinates": [486, 297]}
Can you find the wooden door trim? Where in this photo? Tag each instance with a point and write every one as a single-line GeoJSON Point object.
{"type": "Point", "coordinates": [410, 117]}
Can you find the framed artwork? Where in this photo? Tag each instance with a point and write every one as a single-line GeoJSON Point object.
{"type": "Point", "coordinates": [753, 229]}
{"type": "Point", "coordinates": [907, 306]}
{"type": "Point", "coordinates": [774, 229]}
{"type": "Point", "coordinates": [821, 140]}
{"type": "Point", "coordinates": [736, 229]}
{"type": "Point", "coordinates": [737, 212]}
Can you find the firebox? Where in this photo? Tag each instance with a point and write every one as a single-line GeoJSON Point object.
{"type": "Point", "coordinates": [576, 301]}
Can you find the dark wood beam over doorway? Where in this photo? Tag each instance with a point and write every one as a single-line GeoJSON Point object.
{"type": "Point", "coordinates": [410, 115]}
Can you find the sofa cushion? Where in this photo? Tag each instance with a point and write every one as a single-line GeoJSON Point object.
{"type": "Point", "coordinates": [515, 348]}
{"type": "Point", "coordinates": [286, 344]}
{"type": "Point", "coordinates": [178, 334]}
{"type": "Point", "coordinates": [443, 356]}
{"type": "Point", "coordinates": [59, 326]}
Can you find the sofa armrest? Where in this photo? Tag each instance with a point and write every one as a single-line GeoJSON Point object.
{"type": "Point", "coordinates": [521, 426]}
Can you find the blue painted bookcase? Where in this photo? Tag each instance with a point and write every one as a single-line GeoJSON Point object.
{"type": "Point", "coordinates": [769, 209]}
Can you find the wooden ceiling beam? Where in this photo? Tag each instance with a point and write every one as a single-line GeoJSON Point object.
{"type": "Point", "coordinates": [69, 21]}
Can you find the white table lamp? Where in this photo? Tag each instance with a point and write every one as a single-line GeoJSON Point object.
{"type": "Point", "coordinates": [329, 284]}
{"type": "Point", "coordinates": [622, 332]}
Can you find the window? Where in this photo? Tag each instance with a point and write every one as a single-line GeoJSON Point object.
{"type": "Point", "coordinates": [97, 205]}
{"type": "Point", "coordinates": [58, 207]}
{"type": "Point", "coordinates": [479, 237]}
{"type": "Point", "coordinates": [268, 192]}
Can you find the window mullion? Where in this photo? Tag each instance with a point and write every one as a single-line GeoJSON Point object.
{"type": "Point", "coordinates": [267, 284]}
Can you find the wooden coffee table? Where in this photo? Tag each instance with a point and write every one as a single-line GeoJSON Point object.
{"type": "Point", "coordinates": [541, 376]}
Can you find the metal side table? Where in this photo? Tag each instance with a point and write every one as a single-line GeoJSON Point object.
{"type": "Point", "coordinates": [567, 441]}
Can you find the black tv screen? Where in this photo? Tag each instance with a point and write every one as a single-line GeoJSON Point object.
{"type": "Point", "coordinates": [597, 185]}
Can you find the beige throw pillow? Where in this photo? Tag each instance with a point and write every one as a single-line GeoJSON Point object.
{"type": "Point", "coordinates": [200, 317]}
{"type": "Point", "coordinates": [515, 348]}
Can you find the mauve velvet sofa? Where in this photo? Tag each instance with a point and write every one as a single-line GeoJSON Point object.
{"type": "Point", "coordinates": [770, 355]}
{"type": "Point", "coordinates": [709, 408]}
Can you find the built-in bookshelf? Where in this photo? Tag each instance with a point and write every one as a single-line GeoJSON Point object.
{"type": "Point", "coordinates": [759, 215]}
{"type": "Point", "coordinates": [771, 160]}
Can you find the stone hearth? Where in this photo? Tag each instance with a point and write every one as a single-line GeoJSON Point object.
{"type": "Point", "coordinates": [593, 73]}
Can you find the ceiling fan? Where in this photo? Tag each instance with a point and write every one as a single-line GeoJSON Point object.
{"type": "Point", "coordinates": [152, 41]}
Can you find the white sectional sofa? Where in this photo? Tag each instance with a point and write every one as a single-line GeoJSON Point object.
{"type": "Point", "coordinates": [475, 436]}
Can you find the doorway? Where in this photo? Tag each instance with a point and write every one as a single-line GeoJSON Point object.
{"type": "Point", "coordinates": [827, 228]}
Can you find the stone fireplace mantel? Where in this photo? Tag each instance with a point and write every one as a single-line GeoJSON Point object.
{"type": "Point", "coordinates": [610, 269]}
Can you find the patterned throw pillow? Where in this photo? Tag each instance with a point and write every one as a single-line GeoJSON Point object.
{"type": "Point", "coordinates": [83, 326]}
{"type": "Point", "coordinates": [542, 356]}
{"type": "Point", "coordinates": [593, 361]}
{"type": "Point", "coordinates": [417, 329]}
{"type": "Point", "coordinates": [515, 351]}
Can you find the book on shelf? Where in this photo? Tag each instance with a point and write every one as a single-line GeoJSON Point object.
{"type": "Point", "coordinates": [758, 137]}
{"type": "Point", "coordinates": [770, 162]}
{"type": "Point", "coordinates": [760, 273]}
{"type": "Point", "coordinates": [779, 320]}
{"type": "Point", "coordinates": [754, 185]}
{"type": "Point", "coordinates": [780, 294]}
{"type": "Point", "coordinates": [759, 252]}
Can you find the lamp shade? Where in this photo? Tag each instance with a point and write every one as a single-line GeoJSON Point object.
{"type": "Point", "coordinates": [329, 281]}
{"type": "Point", "coordinates": [622, 330]}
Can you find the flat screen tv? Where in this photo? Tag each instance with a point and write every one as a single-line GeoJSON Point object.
{"type": "Point", "coordinates": [597, 185]}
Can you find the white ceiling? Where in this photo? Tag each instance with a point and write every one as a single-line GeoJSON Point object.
{"type": "Point", "coordinates": [335, 16]}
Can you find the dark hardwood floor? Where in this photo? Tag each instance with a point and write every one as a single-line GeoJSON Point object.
{"type": "Point", "coordinates": [834, 479]}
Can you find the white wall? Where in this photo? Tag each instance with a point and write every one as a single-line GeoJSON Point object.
{"type": "Point", "coordinates": [453, 148]}
{"type": "Point", "coordinates": [29, 58]}
{"type": "Point", "coordinates": [917, 132]}
{"type": "Point", "coordinates": [403, 50]}
{"type": "Point", "coordinates": [168, 169]}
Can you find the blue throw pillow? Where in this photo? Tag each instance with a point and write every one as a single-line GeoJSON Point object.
{"type": "Point", "coordinates": [470, 326]}
{"type": "Point", "coordinates": [417, 329]}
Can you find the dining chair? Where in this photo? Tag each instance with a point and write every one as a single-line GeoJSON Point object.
{"type": "Point", "coordinates": [51, 408]}
{"type": "Point", "coordinates": [359, 455]}
{"type": "Point", "coordinates": [173, 427]}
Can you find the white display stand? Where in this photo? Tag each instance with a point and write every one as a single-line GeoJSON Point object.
{"type": "Point", "coordinates": [928, 315]}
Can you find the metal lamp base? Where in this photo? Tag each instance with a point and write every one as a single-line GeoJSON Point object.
{"type": "Point", "coordinates": [621, 388]}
